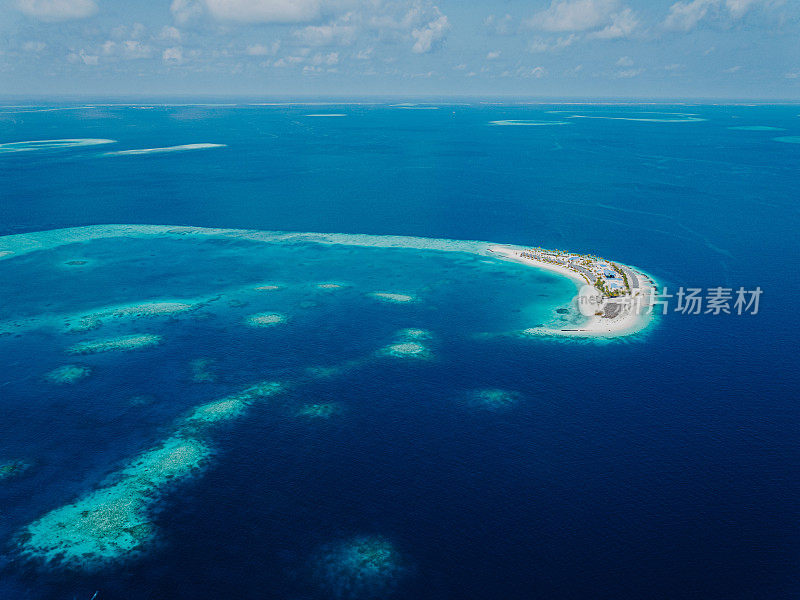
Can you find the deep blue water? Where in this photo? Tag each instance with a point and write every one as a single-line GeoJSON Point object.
{"type": "Point", "coordinates": [661, 466]}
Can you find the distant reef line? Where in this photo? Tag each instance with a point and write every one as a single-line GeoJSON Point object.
{"type": "Point", "coordinates": [23, 243]}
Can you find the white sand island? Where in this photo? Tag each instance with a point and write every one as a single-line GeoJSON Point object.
{"type": "Point", "coordinates": [613, 298]}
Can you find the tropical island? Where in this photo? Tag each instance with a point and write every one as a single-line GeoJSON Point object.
{"type": "Point", "coordinates": [615, 298]}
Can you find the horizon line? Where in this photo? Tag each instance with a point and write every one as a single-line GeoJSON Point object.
{"type": "Point", "coordinates": [518, 98]}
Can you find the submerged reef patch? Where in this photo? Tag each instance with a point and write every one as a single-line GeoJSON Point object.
{"type": "Point", "coordinates": [142, 400]}
{"type": "Point", "coordinates": [219, 410]}
{"type": "Point", "coordinates": [12, 468]}
{"type": "Point", "coordinates": [360, 568]}
{"type": "Point", "coordinates": [202, 370]}
{"type": "Point", "coordinates": [757, 128]}
{"type": "Point", "coordinates": [327, 372]}
{"type": "Point", "coordinates": [414, 334]}
{"type": "Point", "coordinates": [391, 297]}
{"type": "Point", "coordinates": [406, 350]}
{"type": "Point", "coordinates": [319, 411]}
{"type": "Point", "coordinates": [265, 319]}
{"type": "Point", "coordinates": [408, 344]}
{"type": "Point", "coordinates": [231, 406]}
{"type": "Point", "coordinates": [68, 374]}
{"type": "Point", "coordinates": [493, 399]}
{"type": "Point", "coordinates": [133, 311]}
{"type": "Point", "coordinates": [126, 342]}
{"type": "Point", "coordinates": [112, 522]}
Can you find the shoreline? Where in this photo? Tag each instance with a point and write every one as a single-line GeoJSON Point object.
{"type": "Point", "coordinates": [628, 320]}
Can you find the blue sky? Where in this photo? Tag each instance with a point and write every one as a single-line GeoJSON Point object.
{"type": "Point", "coordinates": [534, 48]}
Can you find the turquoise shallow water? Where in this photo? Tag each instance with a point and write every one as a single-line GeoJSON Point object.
{"type": "Point", "coordinates": [435, 463]}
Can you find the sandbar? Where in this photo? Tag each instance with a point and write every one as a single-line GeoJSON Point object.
{"type": "Point", "coordinates": [392, 297]}
{"type": "Point", "coordinates": [33, 145]}
{"type": "Point", "coordinates": [166, 149]}
{"type": "Point", "coordinates": [406, 349]}
{"type": "Point", "coordinates": [126, 342]}
{"type": "Point", "coordinates": [265, 319]}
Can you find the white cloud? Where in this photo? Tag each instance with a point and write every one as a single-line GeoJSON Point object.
{"type": "Point", "coordinates": [262, 50]}
{"type": "Point", "coordinates": [264, 11]}
{"type": "Point", "coordinates": [537, 72]}
{"type": "Point", "coordinates": [170, 33]}
{"type": "Point", "coordinates": [526, 72]}
{"type": "Point", "coordinates": [365, 54]}
{"type": "Point", "coordinates": [622, 25]}
{"type": "Point", "coordinates": [628, 73]}
{"type": "Point", "coordinates": [172, 56]}
{"type": "Point", "coordinates": [122, 32]}
{"type": "Point", "coordinates": [137, 30]}
{"type": "Point", "coordinates": [625, 61]}
{"type": "Point", "coordinates": [128, 49]}
{"type": "Point", "coordinates": [34, 47]}
{"type": "Point", "coordinates": [795, 75]}
{"type": "Point", "coordinates": [135, 49]}
{"type": "Point", "coordinates": [493, 55]}
{"type": "Point", "coordinates": [87, 59]}
{"type": "Point", "coordinates": [325, 59]}
{"type": "Point", "coordinates": [499, 25]}
{"type": "Point", "coordinates": [185, 10]}
{"type": "Point", "coordinates": [738, 7]}
{"type": "Point", "coordinates": [431, 35]}
{"type": "Point", "coordinates": [371, 22]}
{"type": "Point", "coordinates": [57, 10]}
{"type": "Point", "coordinates": [540, 45]}
{"type": "Point", "coordinates": [422, 21]}
{"type": "Point", "coordinates": [685, 16]}
{"type": "Point", "coordinates": [735, 69]}
{"type": "Point", "coordinates": [598, 19]}
{"type": "Point", "coordinates": [574, 15]}
{"type": "Point", "coordinates": [288, 61]}
{"type": "Point", "coordinates": [326, 35]}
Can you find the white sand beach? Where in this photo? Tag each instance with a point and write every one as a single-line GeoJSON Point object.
{"type": "Point", "coordinates": [610, 317]}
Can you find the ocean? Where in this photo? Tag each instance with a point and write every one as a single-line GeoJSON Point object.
{"type": "Point", "coordinates": [359, 417]}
